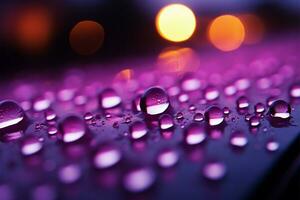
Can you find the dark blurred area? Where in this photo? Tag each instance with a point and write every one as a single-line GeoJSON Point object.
{"type": "Point", "coordinates": [35, 35]}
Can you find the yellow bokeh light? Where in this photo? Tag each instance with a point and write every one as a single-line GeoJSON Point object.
{"type": "Point", "coordinates": [226, 32]}
{"type": "Point", "coordinates": [176, 22]}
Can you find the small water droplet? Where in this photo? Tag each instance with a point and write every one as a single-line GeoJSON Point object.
{"type": "Point", "coordinates": [179, 116]}
{"type": "Point", "coordinates": [41, 103]}
{"type": "Point", "coordinates": [226, 111]}
{"type": "Point", "coordinates": [69, 173]}
{"type": "Point", "coordinates": [272, 146]}
{"type": "Point", "coordinates": [52, 130]}
{"type": "Point", "coordinates": [72, 128]}
{"type": "Point", "coordinates": [242, 102]}
{"type": "Point", "coordinates": [166, 122]}
{"type": "Point", "coordinates": [192, 108]}
{"type": "Point", "coordinates": [238, 139]}
{"type": "Point", "coordinates": [106, 156]}
{"type": "Point", "coordinates": [167, 158]}
{"type": "Point", "coordinates": [154, 101]}
{"type": "Point", "coordinates": [198, 117]}
{"type": "Point", "coordinates": [138, 130]}
{"type": "Point", "coordinates": [194, 134]}
{"type": "Point", "coordinates": [31, 145]}
{"type": "Point", "coordinates": [214, 171]}
{"type": "Point", "coordinates": [139, 180]}
{"type": "Point", "coordinates": [280, 109]}
{"type": "Point", "coordinates": [214, 116]}
{"type": "Point", "coordinates": [211, 93]}
{"type": "Point", "coordinates": [50, 114]}
{"type": "Point", "coordinates": [295, 91]}
{"type": "Point", "coordinates": [254, 121]}
{"type": "Point", "coordinates": [259, 108]}
{"type": "Point", "coordinates": [88, 116]}
{"type": "Point", "coordinates": [108, 98]}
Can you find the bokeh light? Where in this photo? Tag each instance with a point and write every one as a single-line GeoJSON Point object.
{"type": "Point", "coordinates": [226, 32]}
{"type": "Point", "coordinates": [176, 22]}
{"type": "Point", "coordinates": [178, 60]}
{"type": "Point", "coordinates": [86, 37]}
{"type": "Point", "coordinates": [254, 28]}
{"type": "Point", "coordinates": [33, 28]}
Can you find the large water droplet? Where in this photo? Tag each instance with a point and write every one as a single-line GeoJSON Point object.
{"type": "Point", "coordinates": [11, 116]}
{"type": "Point", "coordinates": [280, 109]}
{"type": "Point", "coordinates": [106, 156]}
{"type": "Point", "coordinates": [154, 101]}
{"type": "Point", "coordinates": [138, 130]}
{"type": "Point", "coordinates": [214, 116]}
{"type": "Point", "coordinates": [214, 171]}
{"type": "Point", "coordinates": [31, 145]}
{"type": "Point", "coordinates": [139, 180]}
{"type": "Point", "coordinates": [72, 128]}
{"type": "Point", "coordinates": [167, 158]}
{"type": "Point", "coordinates": [194, 134]}
{"type": "Point", "coordinates": [166, 122]}
{"type": "Point", "coordinates": [108, 98]}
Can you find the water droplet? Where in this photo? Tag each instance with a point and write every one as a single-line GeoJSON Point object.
{"type": "Point", "coordinates": [88, 116]}
{"type": "Point", "coordinates": [272, 145]}
{"type": "Point", "coordinates": [259, 108]}
{"type": "Point", "coordinates": [138, 130]}
{"type": "Point", "coordinates": [154, 101]}
{"type": "Point", "coordinates": [179, 116]}
{"type": "Point", "coordinates": [226, 111]}
{"type": "Point", "coordinates": [30, 145]}
{"type": "Point", "coordinates": [254, 121]}
{"type": "Point", "coordinates": [214, 116]}
{"type": "Point", "coordinates": [214, 171]}
{"type": "Point", "coordinates": [52, 130]}
{"type": "Point", "coordinates": [238, 139]}
{"type": "Point", "coordinates": [198, 117]}
{"type": "Point", "coordinates": [195, 134]}
{"type": "Point", "coordinates": [167, 158]}
{"type": "Point", "coordinates": [242, 102]}
{"type": "Point", "coordinates": [72, 128]}
{"type": "Point", "coordinates": [69, 174]}
{"type": "Point", "coordinates": [242, 84]}
{"type": "Point", "coordinates": [189, 83]}
{"type": "Point", "coordinates": [192, 108]}
{"type": "Point", "coordinates": [108, 98]}
{"type": "Point", "coordinates": [41, 103]}
{"type": "Point", "coordinates": [139, 180]}
{"type": "Point", "coordinates": [50, 114]}
{"type": "Point", "coordinates": [211, 93]}
{"type": "Point", "coordinates": [280, 110]}
{"type": "Point", "coordinates": [295, 91]}
{"type": "Point", "coordinates": [166, 122]}
{"type": "Point", "coordinates": [182, 98]}
{"type": "Point", "coordinates": [247, 117]}
{"type": "Point", "coordinates": [11, 116]}
{"type": "Point", "coordinates": [230, 90]}
{"type": "Point", "coordinates": [106, 156]}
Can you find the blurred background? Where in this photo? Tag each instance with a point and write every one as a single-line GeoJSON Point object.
{"type": "Point", "coordinates": [44, 36]}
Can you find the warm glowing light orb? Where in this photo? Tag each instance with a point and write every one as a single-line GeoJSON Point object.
{"type": "Point", "coordinates": [86, 37]}
{"type": "Point", "coordinates": [176, 22]}
{"type": "Point", "coordinates": [226, 32]}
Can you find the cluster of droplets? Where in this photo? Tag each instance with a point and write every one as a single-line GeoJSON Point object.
{"type": "Point", "coordinates": [191, 108]}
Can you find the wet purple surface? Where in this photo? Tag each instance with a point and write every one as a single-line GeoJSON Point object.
{"type": "Point", "coordinates": [211, 133]}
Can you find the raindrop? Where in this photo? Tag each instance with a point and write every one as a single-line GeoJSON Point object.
{"type": "Point", "coordinates": [295, 91]}
{"type": "Point", "coordinates": [139, 180]}
{"type": "Point", "coordinates": [214, 171]}
{"type": "Point", "coordinates": [154, 101]}
{"type": "Point", "coordinates": [238, 139]}
{"type": "Point", "coordinates": [280, 110]}
{"type": "Point", "coordinates": [31, 145]}
{"type": "Point", "coordinates": [166, 122]}
{"type": "Point", "coordinates": [242, 102]}
{"type": "Point", "coordinates": [72, 128]}
{"type": "Point", "coordinates": [106, 156]}
{"type": "Point", "coordinates": [195, 134]}
{"type": "Point", "coordinates": [211, 93]}
{"type": "Point", "coordinates": [198, 117]}
{"type": "Point", "coordinates": [167, 158]}
{"type": "Point", "coordinates": [138, 130]}
{"type": "Point", "coordinates": [108, 98]}
{"type": "Point", "coordinates": [214, 116]}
